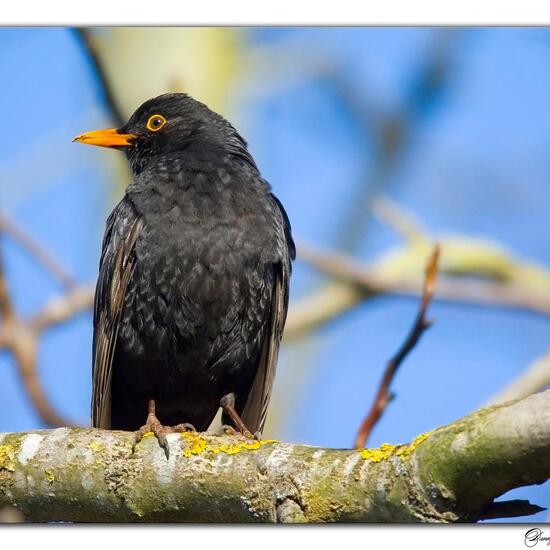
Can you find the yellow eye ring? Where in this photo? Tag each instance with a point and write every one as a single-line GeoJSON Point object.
{"type": "Point", "coordinates": [155, 123]}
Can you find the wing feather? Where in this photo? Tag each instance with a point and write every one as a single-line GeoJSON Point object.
{"type": "Point", "coordinates": [116, 268]}
{"type": "Point", "coordinates": [255, 411]}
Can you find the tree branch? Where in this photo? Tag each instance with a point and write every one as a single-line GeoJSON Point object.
{"type": "Point", "coordinates": [516, 285]}
{"type": "Point", "coordinates": [393, 131]}
{"type": "Point", "coordinates": [534, 379]}
{"type": "Point", "coordinates": [38, 252]}
{"type": "Point", "coordinates": [21, 337]}
{"type": "Point", "coordinates": [85, 38]}
{"type": "Point", "coordinates": [473, 271]}
{"type": "Point", "coordinates": [7, 312]}
{"type": "Point", "coordinates": [93, 475]}
{"type": "Point", "coordinates": [421, 324]}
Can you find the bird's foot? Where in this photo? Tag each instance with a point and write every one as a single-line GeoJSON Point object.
{"type": "Point", "coordinates": [230, 430]}
{"type": "Point", "coordinates": [154, 426]}
{"type": "Point", "coordinates": [227, 403]}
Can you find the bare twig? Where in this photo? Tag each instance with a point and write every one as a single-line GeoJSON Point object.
{"type": "Point", "coordinates": [62, 308]}
{"type": "Point", "coordinates": [7, 312]}
{"type": "Point", "coordinates": [388, 212]}
{"type": "Point", "coordinates": [41, 255]}
{"type": "Point", "coordinates": [510, 509]}
{"type": "Point", "coordinates": [21, 338]}
{"type": "Point", "coordinates": [18, 337]}
{"type": "Point", "coordinates": [24, 347]}
{"type": "Point", "coordinates": [383, 395]}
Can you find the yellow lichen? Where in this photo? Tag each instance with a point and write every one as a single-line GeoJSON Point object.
{"type": "Point", "coordinates": [377, 455]}
{"type": "Point", "coordinates": [406, 450]}
{"type": "Point", "coordinates": [96, 446]}
{"type": "Point", "coordinates": [197, 445]}
{"type": "Point", "coordinates": [49, 476]}
{"type": "Point", "coordinates": [234, 448]}
{"type": "Point", "coordinates": [386, 450]}
{"type": "Point", "coordinates": [7, 458]}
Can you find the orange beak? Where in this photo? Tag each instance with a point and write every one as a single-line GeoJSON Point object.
{"type": "Point", "coordinates": [105, 138]}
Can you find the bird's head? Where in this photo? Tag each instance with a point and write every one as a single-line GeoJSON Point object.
{"type": "Point", "coordinates": [169, 124]}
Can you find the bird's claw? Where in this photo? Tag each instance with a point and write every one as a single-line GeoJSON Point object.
{"type": "Point", "coordinates": [153, 425]}
{"type": "Point", "coordinates": [230, 430]}
{"type": "Point", "coordinates": [185, 427]}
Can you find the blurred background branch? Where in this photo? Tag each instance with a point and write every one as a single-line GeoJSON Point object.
{"type": "Point", "coordinates": [41, 255]}
{"type": "Point", "coordinates": [393, 132]}
{"type": "Point", "coordinates": [86, 39]}
{"type": "Point", "coordinates": [535, 378]}
{"type": "Point", "coordinates": [21, 337]}
{"type": "Point", "coordinates": [474, 272]}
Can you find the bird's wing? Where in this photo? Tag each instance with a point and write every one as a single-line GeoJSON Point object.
{"type": "Point", "coordinates": [255, 411]}
{"type": "Point", "coordinates": [116, 267]}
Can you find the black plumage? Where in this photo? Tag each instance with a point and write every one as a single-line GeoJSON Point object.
{"type": "Point", "coordinates": [192, 294]}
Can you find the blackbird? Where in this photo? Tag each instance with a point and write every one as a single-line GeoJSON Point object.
{"type": "Point", "coordinates": [193, 284]}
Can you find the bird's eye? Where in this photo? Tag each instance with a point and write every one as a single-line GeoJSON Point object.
{"type": "Point", "coordinates": [155, 123]}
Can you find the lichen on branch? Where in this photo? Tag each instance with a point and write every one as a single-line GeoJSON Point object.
{"type": "Point", "coordinates": [87, 475]}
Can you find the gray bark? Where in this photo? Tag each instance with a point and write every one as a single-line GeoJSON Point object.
{"type": "Point", "coordinates": [451, 474]}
